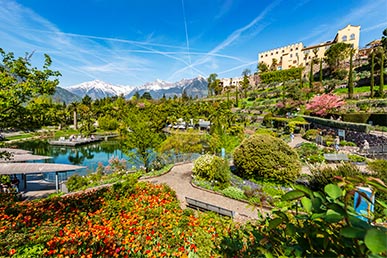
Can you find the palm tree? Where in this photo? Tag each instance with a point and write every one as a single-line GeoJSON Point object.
{"type": "Point", "coordinates": [74, 108]}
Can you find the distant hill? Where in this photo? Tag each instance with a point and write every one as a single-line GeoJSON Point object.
{"type": "Point", "coordinates": [63, 95]}
{"type": "Point", "coordinates": [196, 87]}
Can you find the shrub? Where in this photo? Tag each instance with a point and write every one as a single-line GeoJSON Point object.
{"type": "Point", "coordinates": [310, 152]}
{"type": "Point", "coordinates": [212, 168]}
{"type": "Point", "coordinates": [76, 182]}
{"type": "Point", "coordinates": [379, 167]}
{"type": "Point", "coordinates": [356, 158]}
{"type": "Point", "coordinates": [311, 135]}
{"type": "Point", "coordinates": [265, 157]}
{"type": "Point", "coordinates": [234, 193]}
{"type": "Point", "coordinates": [325, 175]}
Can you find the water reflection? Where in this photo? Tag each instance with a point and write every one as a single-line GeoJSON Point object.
{"type": "Point", "coordinates": [86, 155]}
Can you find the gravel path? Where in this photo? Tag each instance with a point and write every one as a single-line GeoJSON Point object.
{"type": "Point", "coordinates": [179, 179]}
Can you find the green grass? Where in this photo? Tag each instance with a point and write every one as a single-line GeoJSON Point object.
{"type": "Point", "coordinates": [20, 136]}
{"type": "Point", "coordinates": [362, 89]}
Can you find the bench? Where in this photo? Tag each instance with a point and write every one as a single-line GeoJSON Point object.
{"type": "Point", "coordinates": [336, 157]}
{"type": "Point", "coordinates": [203, 206]}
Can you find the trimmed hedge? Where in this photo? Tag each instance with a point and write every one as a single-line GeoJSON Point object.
{"type": "Point", "coordinates": [365, 128]}
{"type": "Point", "coordinates": [376, 118]}
{"type": "Point", "coordinates": [262, 156]}
{"type": "Point", "coordinates": [281, 75]}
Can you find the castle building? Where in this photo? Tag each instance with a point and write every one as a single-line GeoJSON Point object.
{"type": "Point", "coordinates": [298, 54]}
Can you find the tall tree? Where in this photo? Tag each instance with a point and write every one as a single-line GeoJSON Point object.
{"type": "Point", "coordinates": [321, 71]}
{"type": "Point", "coordinates": [381, 84]}
{"type": "Point", "coordinates": [141, 138]}
{"type": "Point", "coordinates": [274, 64]}
{"type": "Point", "coordinates": [20, 83]}
{"type": "Point", "coordinates": [336, 54]}
{"type": "Point", "coordinates": [211, 80]}
{"type": "Point", "coordinates": [350, 75]}
{"type": "Point", "coordinates": [262, 67]}
{"type": "Point", "coordinates": [372, 83]}
{"type": "Point", "coordinates": [245, 82]}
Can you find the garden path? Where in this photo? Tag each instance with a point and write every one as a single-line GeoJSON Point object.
{"type": "Point", "coordinates": [179, 179]}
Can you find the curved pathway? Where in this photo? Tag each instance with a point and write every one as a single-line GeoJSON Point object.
{"type": "Point", "coordinates": [179, 179]}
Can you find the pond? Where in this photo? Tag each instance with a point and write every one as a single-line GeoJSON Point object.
{"type": "Point", "coordinates": [90, 155]}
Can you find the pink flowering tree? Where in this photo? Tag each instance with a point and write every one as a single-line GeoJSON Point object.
{"type": "Point", "coordinates": [324, 104]}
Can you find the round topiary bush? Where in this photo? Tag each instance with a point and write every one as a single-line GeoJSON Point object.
{"type": "Point", "coordinates": [212, 168]}
{"type": "Point", "coordinates": [266, 157]}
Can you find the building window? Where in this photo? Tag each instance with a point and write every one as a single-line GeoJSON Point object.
{"type": "Point", "coordinates": [291, 49]}
{"type": "Point", "coordinates": [261, 56]}
{"type": "Point", "coordinates": [266, 55]}
{"type": "Point", "coordinates": [296, 48]}
{"type": "Point", "coordinates": [291, 55]}
{"type": "Point", "coordinates": [283, 51]}
{"type": "Point", "coordinates": [352, 37]}
{"type": "Point", "coordinates": [271, 53]}
{"type": "Point", "coordinates": [276, 52]}
{"type": "Point", "coordinates": [344, 38]}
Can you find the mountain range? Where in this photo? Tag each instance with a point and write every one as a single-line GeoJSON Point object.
{"type": "Point", "coordinates": [196, 88]}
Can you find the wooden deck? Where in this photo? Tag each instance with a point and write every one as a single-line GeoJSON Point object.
{"type": "Point", "coordinates": [76, 142]}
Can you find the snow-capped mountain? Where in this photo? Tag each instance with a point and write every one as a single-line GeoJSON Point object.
{"type": "Point", "coordinates": [196, 87]}
{"type": "Point", "coordinates": [98, 89]}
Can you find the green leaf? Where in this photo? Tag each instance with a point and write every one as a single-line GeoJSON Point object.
{"type": "Point", "coordinates": [274, 223]}
{"type": "Point", "coordinates": [307, 204]}
{"type": "Point", "coordinates": [333, 191]}
{"type": "Point", "coordinates": [333, 216]}
{"type": "Point", "coordinates": [376, 240]}
{"type": "Point", "coordinates": [352, 232]}
{"type": "Point", "coordinates": [316, 203]}
{"type": "Point", "coordinates": [293, 195]}
{"type": "Point", "coordinates": [304, 189]}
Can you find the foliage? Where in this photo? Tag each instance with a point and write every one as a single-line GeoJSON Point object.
{"type": "Point", "coordinates": [234, 193]}
{"type": "Point", "coordinates": [338, 124]}
{"type": "Point", "coordinates": [281, 75]}
{"type": "Point", "coordinates": [262, 67]}
{"type": "Point", "coordinates": [324, 104]}
{"type": "Point", "coordinates": [212, 168]}
{"type": "Point", "coordinates": [108, 123]}
{"type": "Point", "coordinates": [76, 182]}
{"type": "Point", "coordinates": [379, 167]}
{"type": "Point", "coordinates": [182, 142]}
{"type": "Point", "coordinates": [129, 219]}
{"type": "Point", "coordinates": [324, 175]}
{"type": "Point", "coordinates": [20, 83]}
{"type": "Point", "coordinates": [263, 156]}
{"type": "Point", "coordinates": [355, 157]}
{"type": "Point", "coordinates": [316, 224]}
{"type": "Point", "coordinates": [140, 139]}
{"type": "Point", "coordinates": [310, 152]}
{"type": "Point", "coordinates": [311, 135]}
{"type": "Point", "coordinates": [336, 54]}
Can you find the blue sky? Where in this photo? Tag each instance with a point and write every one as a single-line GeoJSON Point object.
{"type": "Point", "coordinates": [131, 42]}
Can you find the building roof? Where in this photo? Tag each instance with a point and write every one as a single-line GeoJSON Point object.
{"type": "Point", "coordinates": [18, 155]}
{"type": "Point", "coordinates": [33, 168]}
{"type": "Point", "coordinates": [24, 158]}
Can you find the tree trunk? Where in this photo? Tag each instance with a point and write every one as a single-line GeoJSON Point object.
{"type": "Point", "coordinates": [75, 120]}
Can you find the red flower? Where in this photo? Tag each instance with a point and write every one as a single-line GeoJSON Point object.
{"type": "Point", "coordinates": [12, 252]}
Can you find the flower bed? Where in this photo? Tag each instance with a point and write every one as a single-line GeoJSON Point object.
{"type": "Point", "coordinates": [125, 220]}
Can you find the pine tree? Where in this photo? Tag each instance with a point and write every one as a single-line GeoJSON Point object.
{"type": "Point", "coordinates": [372, 83]}
{"type": "Point", "coordinates": [350, 76]}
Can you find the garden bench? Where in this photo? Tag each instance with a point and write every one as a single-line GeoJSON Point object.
{"type": "Point", "coordinates": [336, 157]}
{"type": "Point", "coordinates": [203, 206]}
